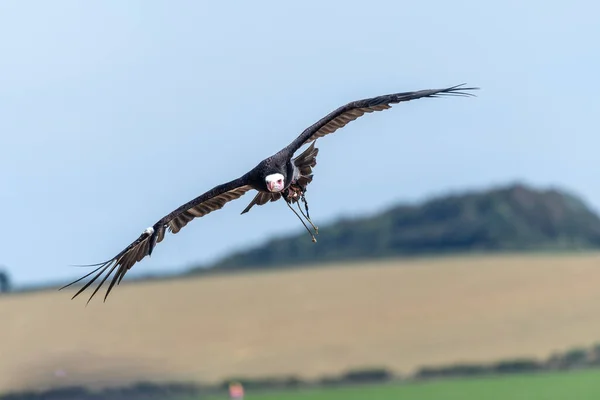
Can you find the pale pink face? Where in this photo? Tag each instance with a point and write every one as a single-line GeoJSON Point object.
{"type": "Point", "coordinates": [275, 182]}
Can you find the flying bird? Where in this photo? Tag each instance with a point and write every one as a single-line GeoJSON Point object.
{"type": "Point", "coordinates": [280, 176]}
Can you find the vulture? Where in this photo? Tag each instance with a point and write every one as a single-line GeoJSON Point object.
{"type": "Point", "coordinates": [280, 176]}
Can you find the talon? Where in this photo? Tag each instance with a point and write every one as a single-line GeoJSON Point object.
{"type": "Point", "coordinates": [314, 239]}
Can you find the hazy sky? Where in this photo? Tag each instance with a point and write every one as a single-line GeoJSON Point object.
{"type": "Point", "coordinates": [114, 113]}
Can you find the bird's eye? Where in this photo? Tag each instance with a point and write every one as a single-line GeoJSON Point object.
{"type": "Point", "coordinates": [279, 180]}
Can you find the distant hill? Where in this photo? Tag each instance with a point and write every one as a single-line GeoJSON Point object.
{"type": "Point", "coordinates": [509, 218]}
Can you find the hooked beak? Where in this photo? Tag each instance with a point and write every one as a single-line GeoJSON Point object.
{"type": "Point", "coordinates": [270, 186]}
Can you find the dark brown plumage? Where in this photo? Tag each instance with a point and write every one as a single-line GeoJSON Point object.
{"type": "Point", "coordinates": [296, 172]}
{"type": "Point", "coordinates": [305, 163]}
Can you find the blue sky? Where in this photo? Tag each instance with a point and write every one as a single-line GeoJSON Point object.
{"type": "Point", "coordinates": [114, 113]}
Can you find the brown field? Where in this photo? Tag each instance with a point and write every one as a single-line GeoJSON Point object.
{"type": "Point", "coordinates": [306, 322]}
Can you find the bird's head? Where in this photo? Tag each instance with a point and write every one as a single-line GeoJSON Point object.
{"type": "Point", "coordinates": [275, 182]}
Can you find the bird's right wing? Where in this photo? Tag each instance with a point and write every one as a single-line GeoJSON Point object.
{"type": "Point", "coordinates": [202, 205]}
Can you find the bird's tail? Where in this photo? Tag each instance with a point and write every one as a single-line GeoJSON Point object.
{"type": "Point", "coordinates": [262, 198]}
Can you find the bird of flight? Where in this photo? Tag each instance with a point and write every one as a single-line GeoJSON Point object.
{"type": "Point", "coordinates": [279, 176]}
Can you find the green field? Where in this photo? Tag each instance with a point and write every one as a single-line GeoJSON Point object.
{"type": "Point", "coordinates": [581, 385]}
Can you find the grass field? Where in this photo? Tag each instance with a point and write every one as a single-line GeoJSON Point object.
{"type": "Point", "coordinates": [306, 322]}
{"type": "Point", "coordinates": [583, 385]}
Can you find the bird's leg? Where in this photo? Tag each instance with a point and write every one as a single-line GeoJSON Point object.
{"type": "Point", "coordinates": [314, 239]}
{"type": "Point", "coordinates": [303, 198]}
{"type": "Point", "coordinates": [307, 215]}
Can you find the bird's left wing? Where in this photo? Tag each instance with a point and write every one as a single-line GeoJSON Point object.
{"type": "Point", "coordinates": [341, 116]}
{"type": "Point", "coordinates": [204, 204]}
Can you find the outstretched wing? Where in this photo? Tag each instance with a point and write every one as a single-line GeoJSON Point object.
{"type": "Point", "coordinates": [204, 204]}
{"type": "Point", "coordinates": [351, 111]}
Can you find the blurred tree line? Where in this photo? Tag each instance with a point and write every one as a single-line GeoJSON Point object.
{"type": "Point", "coordinates": [508, 218]}
{"type": "Point", "coordinates": [4, 281]}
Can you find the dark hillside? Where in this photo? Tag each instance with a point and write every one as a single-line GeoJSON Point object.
{"type": "Point", "coordinates": [509, 218]}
